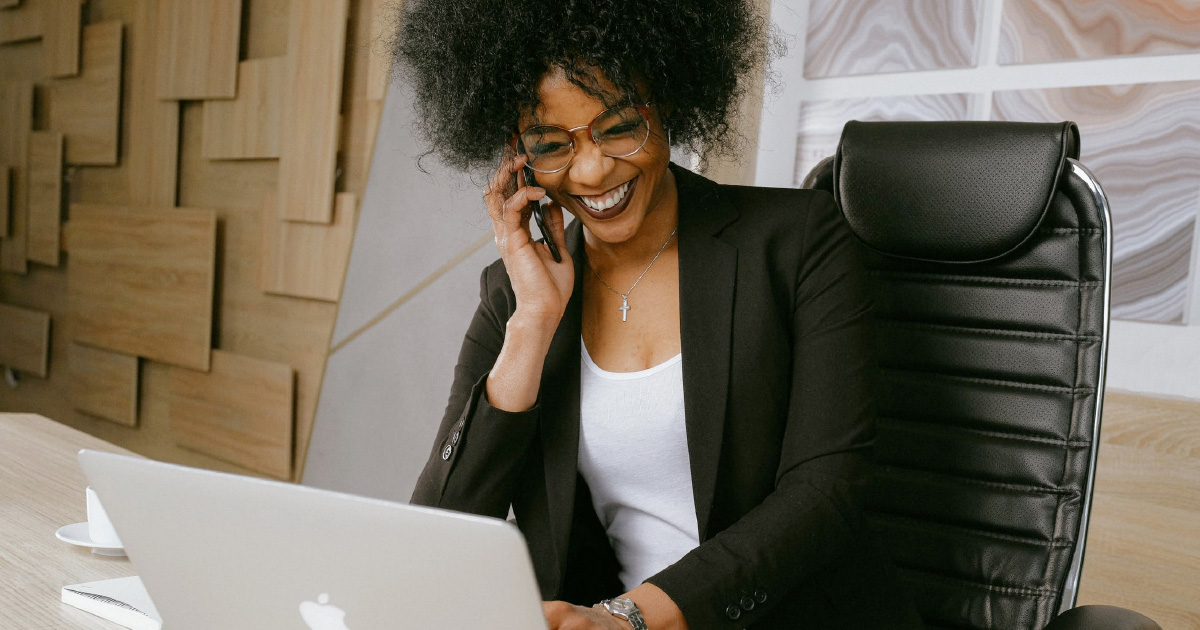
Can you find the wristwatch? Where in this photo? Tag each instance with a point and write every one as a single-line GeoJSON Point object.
{"type": "Point", "coordinates": [624, 608]}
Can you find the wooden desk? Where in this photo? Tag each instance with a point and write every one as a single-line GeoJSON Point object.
{"type": "Point", "coordinates": [42, 489]}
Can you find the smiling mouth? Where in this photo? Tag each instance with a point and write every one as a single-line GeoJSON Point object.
{"type": "Point", "coordinates": [610, 203]}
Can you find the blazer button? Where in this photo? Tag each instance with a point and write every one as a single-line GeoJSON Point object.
{"type": "Point", "coordinates": [760, 595]}
{"type": "Point", "coordinates": [733, 612]}
{"type": "Point", "coordinates": [446, 452]}
{"type": "Point", "coordinates": [747, 603]}
{"type": "Point", "coordinates": [455, 436]}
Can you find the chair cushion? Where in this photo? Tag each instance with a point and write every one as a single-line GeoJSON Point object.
{"type": "Point", "coordinates": [939, 192]}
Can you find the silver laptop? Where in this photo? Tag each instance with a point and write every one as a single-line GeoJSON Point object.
{"type": "Point", "coordinates": [224, 551]}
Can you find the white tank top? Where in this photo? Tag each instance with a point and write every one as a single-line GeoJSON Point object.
{"type": "Point", "coordinates": [633, 453]}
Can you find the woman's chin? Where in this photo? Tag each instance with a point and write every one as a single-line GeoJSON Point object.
{"type": "Point", "coordinates": [611, 231]}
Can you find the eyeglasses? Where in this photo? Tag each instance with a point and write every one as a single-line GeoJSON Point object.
{"type": "Point", "coordinates": [618, 132]}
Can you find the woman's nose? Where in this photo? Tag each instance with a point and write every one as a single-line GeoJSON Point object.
{"type": "Point", "coordinates": [589, 165]}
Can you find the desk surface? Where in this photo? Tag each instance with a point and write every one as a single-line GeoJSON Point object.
{"type": "Point", "coordinates": [42, 489]}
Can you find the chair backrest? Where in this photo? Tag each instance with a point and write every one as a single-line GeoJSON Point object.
{"type": "Point", "coordinates": [989, 249]}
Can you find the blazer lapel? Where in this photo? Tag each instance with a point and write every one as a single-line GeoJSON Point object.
{"type": "Point", "coordinates": [707, 271]}
{"type": "Point", "coordinates": [707, 274]}
{"type": "Point", "coordinates": [559, 395]}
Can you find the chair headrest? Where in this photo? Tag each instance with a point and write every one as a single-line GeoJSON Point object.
{"type": "Point", "coordinates": [954, 192]}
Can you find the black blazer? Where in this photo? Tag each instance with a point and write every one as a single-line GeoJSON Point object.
{"type": "Point", "coordinates": [777, 398]}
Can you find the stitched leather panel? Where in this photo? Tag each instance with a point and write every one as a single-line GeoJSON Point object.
{"type": "Point", "coordinates": [987, 391]}
{"type": "Point", "coordinates": [968, 554]}
{"type": "Point", "coordinates": [983, 303]}
{"type": "Point", "coordinates": [1040, 358]}
{"type": "Point", "coordinates": [1004, 406]}
{"type": "Point", "coordinates": [1052, 255]}
{"type": "Point", "coordinates": [950, 603]}
{"type": "Point", "coordinates": [972, 453]}
{"type": "Point", "coordinates": [994, 507]}
{"type": "Point", "coordinates": [906, 188]}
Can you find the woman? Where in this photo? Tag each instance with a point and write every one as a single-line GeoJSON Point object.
{"type": "Point", "coordinates": [676, 409]}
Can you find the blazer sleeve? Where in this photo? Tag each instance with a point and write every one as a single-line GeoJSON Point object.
{"type": "Point", "coordinates": [811, 516]}
{"type": "Point", "coordinates": [479, 449]}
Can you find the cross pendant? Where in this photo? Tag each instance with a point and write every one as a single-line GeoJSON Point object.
{"type": "Point", "coordinates": [624, 307]}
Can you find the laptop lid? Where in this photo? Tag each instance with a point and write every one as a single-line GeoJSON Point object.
{"type": "Point", "coordinates": [216, 550]}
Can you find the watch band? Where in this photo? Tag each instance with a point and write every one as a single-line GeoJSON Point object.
{"type": "Point", "coordinates": [626, 609]}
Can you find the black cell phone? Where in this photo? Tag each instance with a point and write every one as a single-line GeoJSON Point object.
{"type": "Point", "coordinates": [536, 208]}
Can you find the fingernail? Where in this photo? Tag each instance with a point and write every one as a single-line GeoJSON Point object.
{"type": "Point", "coordinates": [540, 191]}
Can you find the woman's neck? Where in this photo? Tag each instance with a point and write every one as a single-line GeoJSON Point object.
{"type": "Point", "coordinates": [660, 221]}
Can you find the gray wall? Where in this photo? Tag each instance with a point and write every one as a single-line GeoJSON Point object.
{"type": "Point", "coordinates": [411, 287]}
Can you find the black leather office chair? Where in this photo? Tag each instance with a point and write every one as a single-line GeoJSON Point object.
{"type": "Point", "coordinates": [989, 249]}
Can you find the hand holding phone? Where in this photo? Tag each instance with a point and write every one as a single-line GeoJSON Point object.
{"type": "Point", "coordinates": [536, 208]}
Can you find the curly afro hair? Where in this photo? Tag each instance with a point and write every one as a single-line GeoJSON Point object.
{"type": "Point", "coordinates": [475, 64]}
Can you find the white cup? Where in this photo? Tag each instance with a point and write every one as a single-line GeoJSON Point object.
{"type": "Point", "coordinates": [100, 529]}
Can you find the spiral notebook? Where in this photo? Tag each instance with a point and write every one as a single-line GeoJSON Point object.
{"type": "Point", "coordinates": [123, 601]}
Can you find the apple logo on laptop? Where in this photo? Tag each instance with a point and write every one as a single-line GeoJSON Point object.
{"type": "Point", "coordinates": [321, 615]}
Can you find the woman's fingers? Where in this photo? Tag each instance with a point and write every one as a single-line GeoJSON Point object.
{"type": "Point", "coordinates": [556, 613]}
{"type": "Point", "coordinates": [515, 207]}
{"type": "Point", "coordinates": [503, 183]}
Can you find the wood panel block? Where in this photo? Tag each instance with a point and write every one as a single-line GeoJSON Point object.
{"type": "Point", "coordinates": [141, 281]}
{"type": "Point", "coordinates": [25, 343]}
{"type": "Point", "coordinates": [63, 20]}
{"type": "Point", "coordinates": [16, 120]}
{"type": "Point", "coordinates": [198, 48]}
{"type": "Point", "coordinates": [248, 127]}
{"type": "Point", "coordinates": [24, 22]}
{"type": "Point", "coordinates": [152, 150]}
{"type": "Point", "coordinates": [5, 198]}
{"type": "Point", "coordinates": [45, 196]}
{"type": "Point", "coordinates": [305, 259]}
{"type": "Point", "coordinates": [87, 108]}
{"type": "Point", "coordinates": [104, 384]}
{"type": "Point", "coordinates": [379, 65]}
{"type": "Point", "coordinates": [240, 412]}
{"type": "Point", "coordinates": [308, 146]}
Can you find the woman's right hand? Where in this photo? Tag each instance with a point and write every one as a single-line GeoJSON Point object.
{"type": "Point", "coordinates": [542, 286]}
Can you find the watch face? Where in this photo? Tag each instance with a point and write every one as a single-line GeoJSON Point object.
{"type": "Point", "coordinates": [622, 605]}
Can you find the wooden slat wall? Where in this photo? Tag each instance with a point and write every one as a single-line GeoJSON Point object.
{"type": "Point", "coordinates": [198, 48]}
{"type": "Point", "coordinates": [45, 196]}
{"type": "Point", "coordinates": [21, 23]}
{"type": "Point", "coordinates": [240, 411]}
{"type": "Point", "coordinates": [16, 120]}
{"type": "Point", "coordinates": [305, 259]}
{"type": "Point", "coordinates": [152, 151]}
{"type": "Point", "coordinates": [249, 126]}
{"type": "Point", "coordinates": [141, 281]}
{"type": "Point", "coordinates": [60, 48]}
{"type": "Point", "coordinates": [308, 161]}
{"type": "Point", "coordinates": [104, 384]}
{"type": "Point", "coordinates": [25, 344]}
{"type": "Point", "coordinates": [379, 67]}
{"type": "Point", "coordinates": [160, 164]}
{"type": "Point", "coordinates": [87, 108]}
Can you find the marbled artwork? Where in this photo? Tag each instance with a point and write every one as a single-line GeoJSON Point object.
{"type": "Point", "coordinates": [877, 36]}
{"type": "Point", "coordinates": [821, 122]}
{"type": "Point", "coordinates": [1036, 31]}
{"type": "Point", "coordinates": [1143, 143]}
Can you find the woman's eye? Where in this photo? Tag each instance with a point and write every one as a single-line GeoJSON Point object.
{"type": "Point", "coordinates": [548, 148]}
{"type": "Point", "coordinates": [622, 129]}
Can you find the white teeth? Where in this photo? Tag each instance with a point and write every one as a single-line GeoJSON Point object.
{"type": "Point", "coordinates": [601, 204]}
